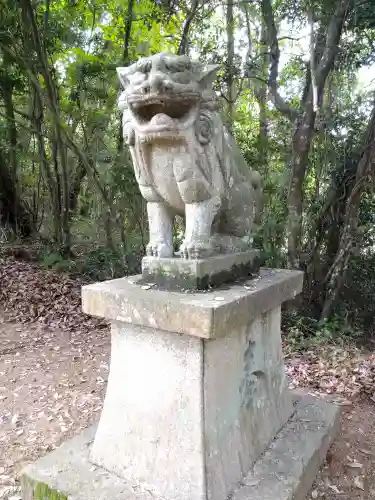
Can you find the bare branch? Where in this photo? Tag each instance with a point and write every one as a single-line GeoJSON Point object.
{"type": "Point", "coordinates": [184, 43]}
{"type": "Point", "coordinates": [332, 41]}
{"type": "Point", "coordinates": [269, 20]}
{"type": "Point", "coordinates": [315, 93]}
{"type": "Point", "coordinates": [255, 77]}
{"type": "Point", "coordinates": [293, 39]}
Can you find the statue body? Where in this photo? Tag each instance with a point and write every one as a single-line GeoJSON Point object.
{"type": "Point", "coordinates": [185, 162]}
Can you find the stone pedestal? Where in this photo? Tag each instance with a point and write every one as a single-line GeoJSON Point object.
{"type": "Point", "coordinates": [196, 393]}
{"type": "Point", "coordinates": [186, 274]}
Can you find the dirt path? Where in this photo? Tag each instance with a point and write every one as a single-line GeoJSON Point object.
{"type": "Point", "coordinates": [349, 470]}
{"type": "Point", "coordinates": [52, 385]}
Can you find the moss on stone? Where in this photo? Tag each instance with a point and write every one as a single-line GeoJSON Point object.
{"type": "Point", "coordinates": [176, 280]}
{"type": "Point", "coordinates": [43, 492]}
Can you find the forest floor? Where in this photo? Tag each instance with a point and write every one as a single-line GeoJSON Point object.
{"type": "Point", "coordinates": [54, 367]}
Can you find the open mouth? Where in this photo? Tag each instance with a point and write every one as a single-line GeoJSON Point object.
{"type": "Point", "coordinates": [146, 111]}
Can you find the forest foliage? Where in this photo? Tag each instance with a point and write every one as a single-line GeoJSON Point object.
{"type": "Point", "coordinates": [297, 84]}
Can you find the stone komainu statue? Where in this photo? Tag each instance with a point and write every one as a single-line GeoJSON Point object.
{"type": "Point", "coordinates": [185, 162]}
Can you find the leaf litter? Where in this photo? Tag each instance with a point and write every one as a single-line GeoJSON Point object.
{"type": "Point", "coordinates": [53, 366]}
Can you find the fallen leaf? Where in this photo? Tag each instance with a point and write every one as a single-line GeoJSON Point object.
{"type": "Point", "coordinates": [358, 481]}
{"type": "Point", "coordinates": [251, 482]}
{"type": "Point", "coordinates": [365, 452]}
{"type": "Point", "coordinates": [354, 465]}
{"type": "Point", "coordinates": [334, 488]}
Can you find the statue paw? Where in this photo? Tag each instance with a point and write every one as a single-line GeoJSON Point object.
{"type": "Point", "coordinates": [159, 250]}
{"type": "Point", "coordinates": [195, 251]}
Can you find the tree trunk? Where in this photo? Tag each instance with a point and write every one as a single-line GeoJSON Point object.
{"type": "Point", "coordinates": [183, 48]}
{"type": "Point", "coordinates": [37, 115]}
{"type": "Point", "coordinates": [125, 62]}
{"type": "Point", "coordinates": [7, 94]}
{"type": "Point", "coordinates": [12, 211]}
{"type": "Point", "coordinates": [261, 95]}
{"type": "Point", "coordinates": [301, 144]}
{"type": "Point", "coordinates": [75, 187]}
{"type": "Point", "coordinates": [231, 84]}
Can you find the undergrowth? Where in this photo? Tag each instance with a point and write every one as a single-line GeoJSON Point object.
{"type": "Point", "coordinates": [301, 333]}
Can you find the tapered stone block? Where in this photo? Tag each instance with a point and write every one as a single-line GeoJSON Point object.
{"type": "Point", "coordinates": [196, 391]}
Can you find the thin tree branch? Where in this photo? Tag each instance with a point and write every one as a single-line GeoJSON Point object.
{"type": "Point", "coordinates": [269, 20]}
{"type": "Point", "coordinates": [184, 42]}
{"type": "Point", "coordinates": [332, 41]}
{"type": "Point", "coordinates": [315, 94]}
{"type": "Point", "coordinates": [128, 28]}
{"type": "Point", "coordinates": [293, 39]}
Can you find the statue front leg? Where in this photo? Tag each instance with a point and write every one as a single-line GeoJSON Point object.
{"type": "Point", "coordinates": [160, 221]}
{"type": "Point", "coordinates": [199, 219]}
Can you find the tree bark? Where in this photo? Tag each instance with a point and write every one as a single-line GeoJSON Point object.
{"type": "Point", "coordinates": [7, 94]}
{"type": "Point", "coordinates": [183, 47]}
{"type": "Point", "coordinates": [12, 211]}
{"type": "Point", "coordinates": [230, 64]}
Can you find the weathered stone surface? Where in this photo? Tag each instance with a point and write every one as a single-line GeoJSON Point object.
{"type": "Point", "coordinates": [285, 471]}
{"type": "Point", "coordinates": [154, 409]}
{"type": "Point", "coordinates": [246, 400]}
{"type": "Point", "coordinates": [200, 274]}
{"type": "Point", "coordinates": [185, 161]}
{"type": "Point", "coordinates": [171, 396]}
{"type": "Point", "coordinates": [288, 468]}
{"type": "Point", "coordinates": [67, 472]}
{"type": "Point", "coordinates": [207, 315]}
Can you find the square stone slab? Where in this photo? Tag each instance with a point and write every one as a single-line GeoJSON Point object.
{"type": "Point", "coordinates": [208, 315]}
{"type": "Point", "coordinates": [200, 274]}
{"type": "Point", "coordinates": [284, 472]}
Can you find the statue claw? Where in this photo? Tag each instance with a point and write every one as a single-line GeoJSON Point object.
{"type": "Point", "coordinates": [159, 250]}
{"type": "Point", "coordinates": [195, 251]}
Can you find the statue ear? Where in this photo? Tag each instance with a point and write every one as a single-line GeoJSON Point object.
{"type": "Point", "coordinates": [209, 75]}
{"type": "Point", "coordinates": [122, 74]}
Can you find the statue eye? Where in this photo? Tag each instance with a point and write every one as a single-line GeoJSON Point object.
{"type": "Point", "coordinates": [170, 67]}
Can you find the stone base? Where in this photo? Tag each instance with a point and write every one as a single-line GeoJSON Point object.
{"type": "Point", "coordinates": [285, 471]}
{"type": "Point", "coordinates": [177, 273]}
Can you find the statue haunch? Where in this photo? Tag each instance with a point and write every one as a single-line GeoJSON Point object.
{"type": "Point", "coordinates": [185, 162]}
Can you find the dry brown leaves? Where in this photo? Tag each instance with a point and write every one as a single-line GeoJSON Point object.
{"type": "Point", "coordinates": [53, 366]}
{"type": "Point", "coordinates": [343, 370]}
{"type": "Point", "coordinates": [29, 293]}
